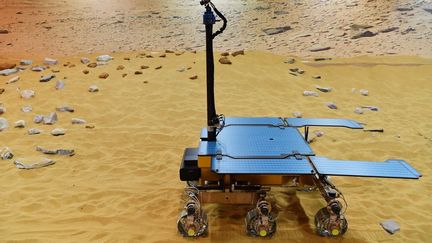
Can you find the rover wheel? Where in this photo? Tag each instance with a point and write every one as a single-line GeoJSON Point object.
{"type": "Point", "coordinates": [330, 225]}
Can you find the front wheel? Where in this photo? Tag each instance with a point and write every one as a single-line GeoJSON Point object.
{"type": "Point", "coordinates": [329, 224]}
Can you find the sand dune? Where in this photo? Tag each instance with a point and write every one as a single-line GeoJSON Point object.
{"type": "Point", "coordinates": [122, 185]}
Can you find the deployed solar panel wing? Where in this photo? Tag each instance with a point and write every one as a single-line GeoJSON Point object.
{"type": "Point", "coordinates": [387, 169]}
{"type": "Point", "coordinates": [308, 122]}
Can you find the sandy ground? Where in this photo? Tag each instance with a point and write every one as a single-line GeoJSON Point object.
{"type": "Point", "coordinates": [43, 28]}
{"type": "Point", "coordinates": [122, 186]}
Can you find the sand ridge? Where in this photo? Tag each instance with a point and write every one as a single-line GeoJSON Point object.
{"type": "Point", "coordinates": [122, 185]}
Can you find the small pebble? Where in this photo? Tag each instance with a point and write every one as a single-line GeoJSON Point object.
{"type": "Point", "coordinates": [92, 65]}
{"type": "Point", "coordinates": [158, 67]}
{"type": "Point", "coordinates": [85, 71]}
{"type": "Point", "coordinates": [358, 110]}
{"type": "Point", "coordinates": [297, 114]}
{"type": "Point", "coordinates": [46, 78]}
{"type": "Point", "coordinates": [224, 54]}
{"type": "Point", "coordinates": [38, 69]}
{"type": "Point", "coordinates": [13, 80]}
{"type": "Point", "coordinates": [38, 119]}
{"type": "Point", "coordinates": [90, 126]}
{"type": "Point", "coordinates": [331, 105]}
{"type": "Point", "coordinates": [193, 77]}
{"type": "Point", "coordinates": [144, 67]}
{"type": "Point", "coordinates": [26, 108]}
{"type": "Point", "coordinates": [316, 77]}
{"type": "Point", "coordinates": [93, 88]}
{"type": "Point", "coordinates": [33, 131]}
{"type": "Point", "coordinates": [26, 62]}
{"type": "Point", "coordinates": [236, 53]}
{"type": "Point", "coordinates": [364, 92]}
{"type": "Point", "coordinates": [78, 121]}
{"type": "Point", "coordinates": [2, 109]}
{"type": "Point", "coordinates": [181, 69]}
{"type": "Point", "coordinates": [120, 67]}
{"type": "Point", "coordinates": [27, 94]}
{"type": "Point", "coordinates": [372, 108]}
{"type": "Point", "coordinates": [85, 60]}
{"type": "Point", "coordinates": [103, 75]}
{"type": "Point", "coordinates": [104, 58]}
{"type": "Point", "coordinates": [60, 84]}
{"type": "Point", "coordinates": [6, 153]}
{"type": "Point", "coordinates": [3, 124]}
{"type": "Point", "coordinates": [50, 61]}
{"type": "Point", "coordinates": [58, 132]}
{"type": "Point", "coordinates": [225, 60]}
{"type": "Point", "coordinates": [323, 89]}
{"type": "Point", "coordinates": [50, 119]}
{"type": "Point", "coordinates": [124, 75]}
{"type": "Point", "coordinates": [310, 93]}
{"type": "Point", "coordinates": [65, 109]}
{"type": "Point", "coordinates": [290, 61]}
{"type": "Point", "coordinates": [20, 124]}
{"type": "Point", "coordinates": [138, 72]}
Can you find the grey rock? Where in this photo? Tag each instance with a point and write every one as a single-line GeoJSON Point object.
{"type": "Point", "coordinates": [364, 92]}
{"type": "Point", "coordinates": [65, 109]}
{"type": "Point", "coordinates": [363, 33]}
{"type": "Point", "coordinates": [50, 119]}
{"type": "Point", "coordinates": [50, 61]}
{"type": "Point", "coordinates": [331, 105]}
{"type": "Point", "coordinates": [33, 131]}
{"type": "Point", "coordinates": [69, 152]}
{"type": "Point", "coordinates": [58, 132]}
{"type": "Point", "coordinates": [104, 58]}
{"type": "Point", "coordinates": [20, 124]}
{"type": "Point", "coordinates": [6, 153]}
{"type": "Point", "coordinates": [93, 88]}
{"type": "Point", "coordinates": [8, 72]}
{"type": "Point", "coordinates": [46, 78]}
{"type": "Point", "coordinates": [404, 9]}
{"type": "Point", "coordinates": [38, 119]}
{"type": "Point", "coordinates": [390, 226]}
{"type": "Point", "coordinates": [389, 29]}
{"type": "Point", "coordinates": [26, 108]}
{"type": "Point", "coordinates": [85, 60]}
{"type": "Point", "coordinates": [60, 84]}
{"type": "Point", "coordinates": [323, 89]}
{"type": "Point", "coordinates": [372, 108]}
{"type": "Point", "coordinates": [429, 10]}
{"type": "Point", "coordinates": [13, 80]}
{"type": "Point", "coordinates": [26, 62]}
{"type": "Point", "coordinates": [276, 30]}
{"type": "Point", "coordinates": [38, 69]}
{"type": "Point", "coordinates": [78, 121]}
{"type": "Point", "coordinates": [319, 48]}
{"type": "Point", "coordinates": [33, 165]}
{"type": "Point", "coordinates": [27, 94]}
{"type": "Point", "coordinates": [310, 93]}
{"type": "Point", "coordinates": [3, 124]}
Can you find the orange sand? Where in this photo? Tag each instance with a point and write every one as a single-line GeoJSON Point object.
{"type": "Point", "coordinates": [122, 185]}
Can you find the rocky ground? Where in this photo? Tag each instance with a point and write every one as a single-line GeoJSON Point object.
{"type": "Point", "coordinates": [303, 28]}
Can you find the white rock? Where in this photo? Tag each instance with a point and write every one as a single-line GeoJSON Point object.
{"type": "Point", "coordinates": [33, 165]}
{"type": "Point", "coordinates": [26, 62]}
{"type": "Point", "coordinates": [50, 119]}
{"type": "Point", "coordinates": [26, 108]}
{"type": "Point", "coordinates": [6, 153]}
{"type": "Point", "coordinates": [13, 80]}
{"type": "Point", "coordinates": [93, 88]}
{"type": "Point", "coordinates": [8, 72]}
{"type": "Point", "coordinates": [60, 84]}
{"type": "Point", "coordinates": [27, 94]}
{"type": "Point", "coordinates": [358, 110]}
{"type": "Point", "coordinates": [297, 114]}
{"type": "Point", "coordinates": [310, 93]}
{"type": "Point", "coordinates": [38, 69]}
{"type": "Point", "coordinates": [50, 61]}
{"type": "Point", "coordinates": [3, 124]}
{"type": "Point", "coordinates": [58, 132]}
{"type": "Point", "coordinates": [78, 121]}
{"type": "Point", "coordinates": [181, 69]}
{"type": "Point", "coordinates": [20, 124]}
{"type": "Point", "coordinates": [364, 92]}
{"type": "Point", "coordinates": [33, 131]}
{"type": "Point", "coordinates": [104, 58]}
{"type": "Point", "coordinates": [85, 60]}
